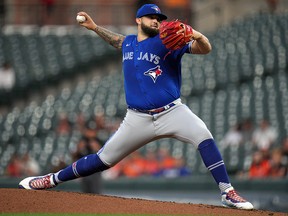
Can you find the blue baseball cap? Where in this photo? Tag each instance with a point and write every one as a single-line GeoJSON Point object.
{"type": "Point", "coordinates": [150, 9]}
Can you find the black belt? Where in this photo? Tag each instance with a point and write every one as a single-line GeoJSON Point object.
{"type": "Point", "coordinates": [154, 111]}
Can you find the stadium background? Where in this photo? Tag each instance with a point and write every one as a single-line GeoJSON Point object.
{"type": "Point", "coordinates": [62, 68]}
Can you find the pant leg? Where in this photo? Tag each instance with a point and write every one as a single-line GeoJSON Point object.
{"type": "Point", "coordinates": [181, 123]}
{"type": "Point", "coordinates": [136, 130]}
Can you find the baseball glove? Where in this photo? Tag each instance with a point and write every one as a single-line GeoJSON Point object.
{"type": "Point", "coordinates": [175, 34]}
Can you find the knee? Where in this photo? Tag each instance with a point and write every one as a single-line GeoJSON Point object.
{"type": "Point", "coordinates": [108, 163]}
{"type": "Point", "coordinates": [101, 164]}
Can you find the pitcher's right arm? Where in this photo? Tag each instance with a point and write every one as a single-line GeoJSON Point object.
{"type": "Point", "coordinates": [110, 37]}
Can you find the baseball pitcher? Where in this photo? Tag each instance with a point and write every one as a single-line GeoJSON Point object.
{"type": "Point", "coordinates": [152, 81]}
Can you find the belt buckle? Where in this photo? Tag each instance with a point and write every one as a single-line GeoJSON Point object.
{"type": "Point", "coordinates": [161, 109]}
{"type": "Point", "coordinates": [155, 111]}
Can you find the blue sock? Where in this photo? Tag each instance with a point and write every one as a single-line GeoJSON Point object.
{"type": "Point", "coordinates": [85, 166]}
{"type": "Point", "coordinates": [214, 163]}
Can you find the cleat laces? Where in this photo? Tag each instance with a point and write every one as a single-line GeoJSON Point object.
{"type": "Point", "coordinates": [41, 183]}
{"type": "Point", "coordinates": [232, 194]}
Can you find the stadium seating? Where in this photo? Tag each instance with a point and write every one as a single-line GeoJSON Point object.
{"type": "Point", "coordinates": [46, 55]}
{"type": "Point", "coordinates": [246, 75]}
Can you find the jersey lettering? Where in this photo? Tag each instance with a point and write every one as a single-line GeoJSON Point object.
{"type": "Point", "coordinates": [149, 57]}
{"type": "Point", "coordinates": [142, 56]}
{"type": "Point", "coordinates": [128, 56]}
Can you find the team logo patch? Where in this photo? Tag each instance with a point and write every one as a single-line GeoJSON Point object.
{"type": "Point", "coordinates": [157, 10]}
{"type": "Point", "coordinates": [154, 73]}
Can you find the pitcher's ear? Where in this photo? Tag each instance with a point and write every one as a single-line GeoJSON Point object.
{"type": "Point", "coordinates": [138, 20]}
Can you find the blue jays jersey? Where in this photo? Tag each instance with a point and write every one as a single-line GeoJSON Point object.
{"type": "Point", "coordinates": [152, 75]}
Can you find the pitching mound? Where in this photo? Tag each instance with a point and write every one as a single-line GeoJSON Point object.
{"type": "Point", "coordinates": [26, 201]}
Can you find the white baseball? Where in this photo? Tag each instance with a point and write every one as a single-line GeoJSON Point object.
{"type": "Point", "coordinates": [80, 18]}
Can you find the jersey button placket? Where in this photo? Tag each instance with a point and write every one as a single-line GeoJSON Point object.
{"type": "Point", "coordinates": [138, 73]}
{"type": "Point", "coordinates": [136, 51]}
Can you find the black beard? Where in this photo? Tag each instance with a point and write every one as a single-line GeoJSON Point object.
{"type": "Point", "coordinates": [150, 32]}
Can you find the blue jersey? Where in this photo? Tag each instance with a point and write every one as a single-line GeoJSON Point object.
{"type": "Point", "coordinates": [152, 77]}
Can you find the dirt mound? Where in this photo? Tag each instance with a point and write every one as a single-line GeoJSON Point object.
{"type": "Point", "coordinates": [27, 201]}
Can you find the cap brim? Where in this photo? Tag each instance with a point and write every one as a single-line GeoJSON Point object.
{"type": "Point", "coordinates": [162, 16]}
